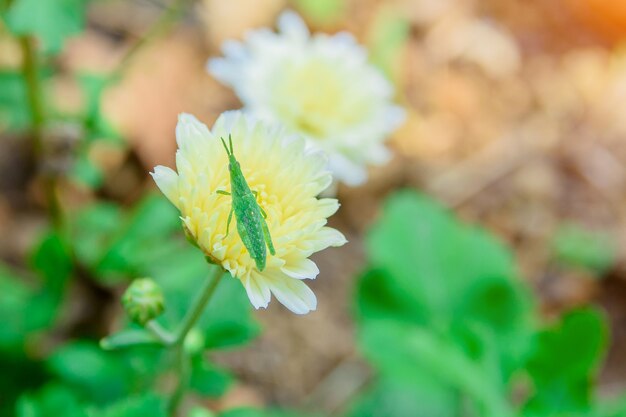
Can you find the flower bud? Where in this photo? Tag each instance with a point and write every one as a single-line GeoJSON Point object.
{"type": "Point", "coordinates": [143, 300]}
{"type": "Point", "coordinates": [194, 342]}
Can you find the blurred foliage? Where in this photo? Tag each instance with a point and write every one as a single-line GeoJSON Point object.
{"type": "Point", "coordinates": [51, 21]}
{"type": "Point", "coordinates": [321, 11]}
{"type": "Point", "coordinates": [452, 331]}
{"type": "Point", "coordinates": [113, 245]}
{"type": "Point", "coordinates": [387, 39]}
{"type": "Point", "coordinates": [577, 247]}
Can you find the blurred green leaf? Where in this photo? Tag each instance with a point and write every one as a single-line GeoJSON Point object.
{"type": "Point", "coordinates": [253, 412]}
{"type": "Point", "coordinates": [52, 400]}
{"type": "Point", "coordinates": [97, 127]}
{"type": "Point", "coordinates": [580, 248]}
{"type": "Point", "coordinates": [85, 172]}
{"type": "Point", "coordinates": [94, 227]}
{"type": "Point", "coordinates": [200, 412]}
{"type": "Point", "coordinates": [152, 222]}
{"type": "Point", "coordinates": [104, 376]}
{"type": "Point", "coordinates": [52, 258]}
{"type": "Point", "coordinates": [146, 405]}
{"type": "Point", "coordinates": [209, 380]}
{"type": "Point", "coordinates": [387, 38]}
{"type": "Point", "coordinates": [28, 305]}
{"type": "Point", "coordinates": [321, 11]}
{"type": "Point", "coordinates": [52, 21]}
{"type": "Point", "coordinates": [128, 337]}
{"type": "Point", "coordinates": [565, 364]}
{"type": "Point", "coordinates": [430, 270]}
{"type": "Point", "coordinates": [611, 408]}
{"type": "Point", "coordinates": [117, 245]}
{"type": "Point", "coordinates": [392, 397]}
{"type": "Point", "coordinates": [14, 109]}
{"type": "Point", "coordinates": [404, 351]}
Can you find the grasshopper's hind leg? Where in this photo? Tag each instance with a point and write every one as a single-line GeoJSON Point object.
{"type": "Point", "coordinates": [267, 236]}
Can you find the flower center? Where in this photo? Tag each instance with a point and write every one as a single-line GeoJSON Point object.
{"type": "Point", "coordinates": [315, 97]}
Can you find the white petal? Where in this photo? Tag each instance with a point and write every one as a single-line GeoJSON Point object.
{"type": "Point", "coordinates": [257, 290]}
{"type": "Point", "coordinates": [327, 236]}
{"type": "Point", "coordinates": [221, 69]}
{"type": "Point", "coordinates": [190, 133]}
{"type": "Point", "coordinates": [228, 122]}
{"type": "Point", "coordinates": [328, 206]}
{"type": "Point", "coordinates": [167, 181]}
{"type": "Point", "coordinates": [347, 171]}
{"type": "Point", "coordinates": [301, 269]}
{"type": "Point", "coordinates": [293, 294]}
{"type": "Point", "coordinates": [292, 25]}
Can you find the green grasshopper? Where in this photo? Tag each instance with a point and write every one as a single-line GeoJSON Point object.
{"type": "Point", "coordinates": [250, 216]}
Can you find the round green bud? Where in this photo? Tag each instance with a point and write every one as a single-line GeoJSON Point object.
{"type": "Point", "coordinates": [143, 300]}
{"type": "Point", "coordinates": [194, 342]}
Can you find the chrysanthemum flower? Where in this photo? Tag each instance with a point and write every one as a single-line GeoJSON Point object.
{"type": "Point", "coordinates": [319, 86]}
{"type": "Point", "coordinates": [286, 177]}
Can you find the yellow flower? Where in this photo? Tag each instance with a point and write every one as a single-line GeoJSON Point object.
{"type": "Point", "coordinates": [288, 179]}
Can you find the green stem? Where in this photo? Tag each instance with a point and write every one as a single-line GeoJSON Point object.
{"type": "Point", "coordinates": [163, 23]}
{"type": "Point", "coordinates": [34, 91]}
{"type": "Point", "coordinates": [186, 325]}
{"type": "Point", "coordinates": [163, 335]}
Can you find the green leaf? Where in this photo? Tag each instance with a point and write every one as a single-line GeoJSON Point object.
{"type": "Point", "coordinates": [322, 11]}
{"type": "Point", "coordinates": [97, 127]}
{"type": "Point", "coordinates": [209, 380]}
{"type": "Point", "coordinates": [94, 227]}
{"type": "Point", "coordinates": [566, 362]}
{"type": "Point", "coordinates": [433, 258]}
{"type": "Point", "coordinates": [139, 406]}
{"type": "Point", "coordinates": [52, 21]}
{"type": "Point", "coordinates": [52, 400]}
{"type": "Point", "coordinates": [14, 109]}
{"type": "Point", "coordinates": [25, 308]}
{"type": "Point", "coordinates": [85, 172]}
{"type": "Point", "coordinates": [127, 338]}
{"type": "Point", "coordinates": [404, 351]}
{"type": "Point", "coordinates": [104, 376]}
{"type": "Point", "coordinates": [152, 222]}
{"type": "Point", "coordinates": [52, 258]}
{"type": "Point", "coordinates": [253, 412]}
{"type": "Point", "coordinates": [200, 412]}
{"type": "Point", "coordinates": [387, 38]}
{"type": "Point", "coordinates": [430, 270]}
{"type": "Point", "coordinates": [117, 245]}
{"type": "Point", "coordinates": [391, 397]}
{"type": "Point", "coordinates": [580, 248]}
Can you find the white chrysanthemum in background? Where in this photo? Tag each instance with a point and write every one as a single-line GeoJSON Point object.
{"type": "Point", "coordinates": [319, 86]}
{"type": "Point", "coordinates": [288, 179]}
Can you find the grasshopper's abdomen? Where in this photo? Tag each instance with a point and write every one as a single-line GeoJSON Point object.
{"type": "Point", "coordinates": [249, 227]}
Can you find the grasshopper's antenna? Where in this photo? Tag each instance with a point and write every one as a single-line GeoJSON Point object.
{"type": "Point", "coordinates": [230, 141]}
{"type": "Point", "coordinates": [226, 147]}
